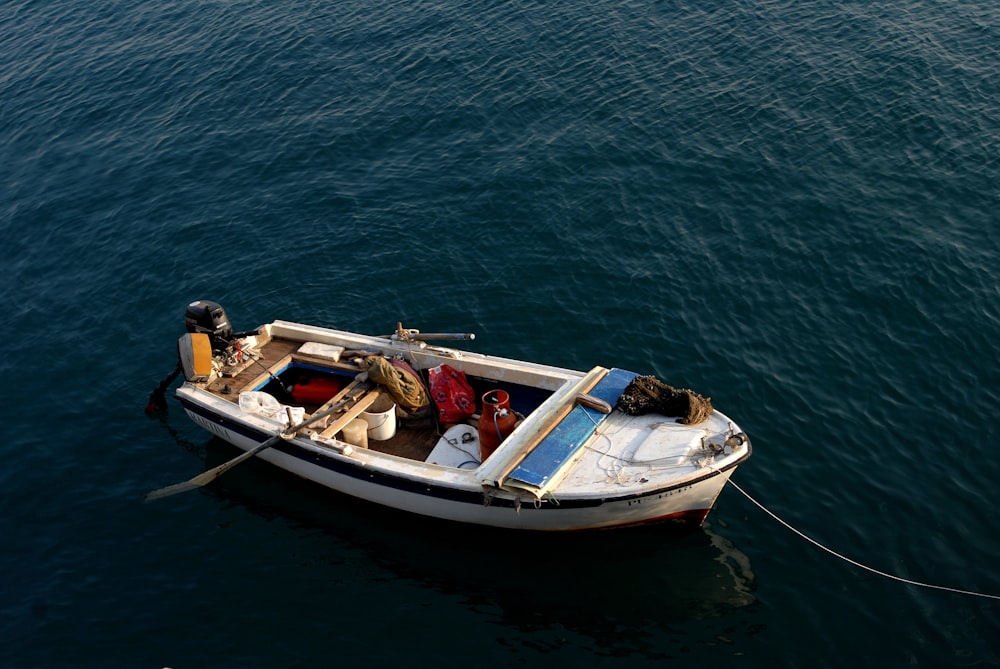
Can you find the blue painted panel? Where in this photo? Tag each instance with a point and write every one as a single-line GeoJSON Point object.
{"type": "Point", "coordinates": [560, 444]}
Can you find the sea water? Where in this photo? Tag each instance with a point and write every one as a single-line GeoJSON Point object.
{"type": "Point", "coordinates": [790, 207]}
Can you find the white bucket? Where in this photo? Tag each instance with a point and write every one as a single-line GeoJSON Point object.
{"type": "Point", "coordinates": [381, 419]}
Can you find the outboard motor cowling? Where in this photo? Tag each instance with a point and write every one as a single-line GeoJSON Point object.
{"type": "Point", "coordinates": [208, 317]}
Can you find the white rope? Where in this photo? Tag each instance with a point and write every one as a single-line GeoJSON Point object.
{"type": "Point", "coordinates": [615, 471]}
{"type": "Point", "coordinates": [856, 563]}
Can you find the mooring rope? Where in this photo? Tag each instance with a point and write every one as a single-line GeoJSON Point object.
{"type": "Point", "coordinates": [855, 562]}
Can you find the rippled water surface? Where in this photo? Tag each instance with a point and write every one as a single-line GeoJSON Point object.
{"type": "Point", "coordinates": [788, 206]}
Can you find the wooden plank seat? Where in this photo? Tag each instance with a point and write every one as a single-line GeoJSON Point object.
{"type": "Point", "coordinates": [350, 413]}
{"type": "Point", "coordinates": [355, 389]}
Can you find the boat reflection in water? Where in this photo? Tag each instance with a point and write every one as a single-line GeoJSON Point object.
{"type": "Point", "coordinates": [621, 588]}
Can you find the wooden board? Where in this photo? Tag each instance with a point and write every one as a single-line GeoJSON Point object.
{"type": "Point", "coordinates": [350, 414]}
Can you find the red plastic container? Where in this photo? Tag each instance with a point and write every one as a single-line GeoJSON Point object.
{"type": "Point", "coordinates": [315, 389]}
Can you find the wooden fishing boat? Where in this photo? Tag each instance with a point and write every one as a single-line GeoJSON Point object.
{"type": "Point", "coordinates": [496, 442]}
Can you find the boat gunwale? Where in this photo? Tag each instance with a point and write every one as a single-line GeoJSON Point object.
{"type": "Point", "coordinates": [546, 377]}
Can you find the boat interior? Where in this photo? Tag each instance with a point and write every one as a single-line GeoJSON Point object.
{"type": "Point", "coordinates": [280, 367]}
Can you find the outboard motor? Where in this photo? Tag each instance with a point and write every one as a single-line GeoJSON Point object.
{"type": "Point", "coordinates": [209, 318]}
{"type": "Point", "coordinates": [209, 337]}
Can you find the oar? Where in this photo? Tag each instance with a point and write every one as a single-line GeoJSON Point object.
{"type": "Point", "coordinates": [207, 477]}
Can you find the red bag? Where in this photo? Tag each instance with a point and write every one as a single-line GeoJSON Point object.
{"type": "Point", "coordinates": [452, 394]}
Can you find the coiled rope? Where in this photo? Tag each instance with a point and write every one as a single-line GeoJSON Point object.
{"type": "Point", "coordinates": [855, 562]}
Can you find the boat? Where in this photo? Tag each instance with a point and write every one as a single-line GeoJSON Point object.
{"type": "Point", "coordinates": [405, 421]}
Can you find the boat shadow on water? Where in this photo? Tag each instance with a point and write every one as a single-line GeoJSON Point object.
{"type": "Point", "coordinates": [601, 583]}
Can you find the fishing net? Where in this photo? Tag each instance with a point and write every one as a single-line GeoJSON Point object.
{"type": "Point", "coordinates": [647, 394]}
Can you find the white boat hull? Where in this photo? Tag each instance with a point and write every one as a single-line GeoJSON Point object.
{"type": "Point", "coordinates": [684, 504]}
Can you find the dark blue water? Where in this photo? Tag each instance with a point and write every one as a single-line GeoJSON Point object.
{"type": "Point", "coordinates": [788, 206]}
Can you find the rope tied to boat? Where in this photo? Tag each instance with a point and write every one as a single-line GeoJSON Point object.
{"type": "Point", "coordinates": [857, 564]}
{"type": "Point", "coordinates": [615, 471]}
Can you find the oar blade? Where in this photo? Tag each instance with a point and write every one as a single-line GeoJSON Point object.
{"type": "Point", "coordinates": [207, 477]}
{"type": "Point", "coordinates": [174, 489]}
